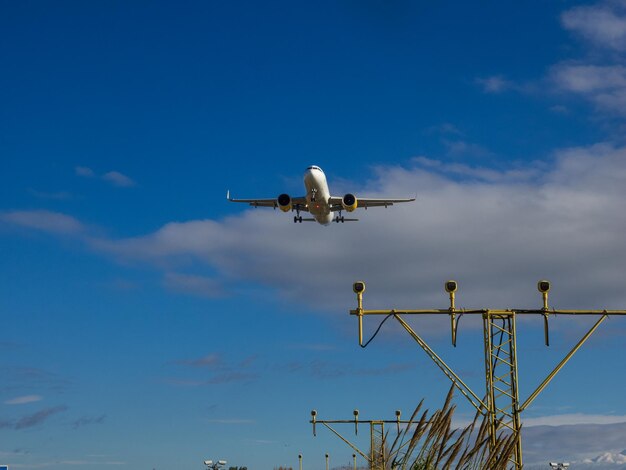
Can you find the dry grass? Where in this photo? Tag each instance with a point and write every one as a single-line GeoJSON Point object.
{"type": "Point", "coordinates": [430, 443]}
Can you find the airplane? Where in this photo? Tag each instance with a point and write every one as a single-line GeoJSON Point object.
{"type": "Point", "coordinates": [318, 201]}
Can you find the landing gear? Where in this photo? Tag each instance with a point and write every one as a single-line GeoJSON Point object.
{"type": "Point", "coordinates": [339, 218]}
{"type": "Point", "coordinates": [297, 217]}
{"type": "Point", "coordinates": [313, 194]}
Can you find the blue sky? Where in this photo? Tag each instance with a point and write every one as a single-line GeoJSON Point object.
{"type": "Point", "coordinates": [147, 323]}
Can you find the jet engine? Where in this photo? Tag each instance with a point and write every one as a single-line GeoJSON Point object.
{"type": "Point", "coordinates": [284, 202]}
{"type": "Point", "coordinates": [349, 202]}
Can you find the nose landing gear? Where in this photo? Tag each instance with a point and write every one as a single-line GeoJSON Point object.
{"type": "Point", "coordinates": [297, 218]}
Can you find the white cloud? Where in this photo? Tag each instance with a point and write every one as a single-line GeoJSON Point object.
{"type": "Point", "coordinates": [444, 129]}
{"type": "Point", "coordinates": [118, 179]}
{"type": "Point", "coordinates": [59, 195]}
{"type": "Point", "coordinates": [589, 78]}
{"type": "Point", "coordinates": [23, 400]}
{"type": "Point", "coordinates": [495, 84]}
{"type": "Point", "coordinates": [603, 24]}
{"type": "Point", "coordinates": [573, 419]}
{"type": "Point", "coordinates": [604, 86]}
{"type": "Point", "coordinates": [113, 177]}
{"type": "Point", "coordinates": [512, 175]}
{"type": "Point", "coordinates": [461, 147]}
{"type": "Point", "coordinates": [46, 221]}
{"type": "Point", "coordinates": [84, 171]}
{"type": "Point", "coordinates": [579, 444]}
{"type": "Point", "coordinates": [598, 77]}
{"type": "Point", "coordinates": [559, 109]}
{"type": "Point", "coordinates": [515, 226]}
{"type": "Point", "coordinates": [175, 239]}
{"type": "Point", "coordinates": [542, 227]}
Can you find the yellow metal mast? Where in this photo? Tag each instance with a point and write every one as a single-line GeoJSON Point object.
{"type": "Point", "coordinates": [501, 378]}
{"type": "Point", "coordinates": [501, 404]}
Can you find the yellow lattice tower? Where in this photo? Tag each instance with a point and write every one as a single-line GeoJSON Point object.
{"type": "Point", "coordinates": [377, 447]}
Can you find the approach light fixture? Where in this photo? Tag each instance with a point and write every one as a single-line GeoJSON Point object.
{"type": "Point", "coordinates": [358, 287]}
{"type": "Point", "coordinates": [451, 286]}
{"type": "Point", "coordinates": [543, 286]}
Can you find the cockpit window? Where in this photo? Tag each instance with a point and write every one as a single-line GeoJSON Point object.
{"type": "Point", "coordinates": [313, 167]}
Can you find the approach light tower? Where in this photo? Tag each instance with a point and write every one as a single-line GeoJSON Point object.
{"type": "Point", "coordinates": [501, 406]}
{"type": "Point", "coordinates": [376, 457]}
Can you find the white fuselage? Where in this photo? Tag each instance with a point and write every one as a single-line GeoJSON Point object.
{"type": "Point", "coordinates": [317, 195]}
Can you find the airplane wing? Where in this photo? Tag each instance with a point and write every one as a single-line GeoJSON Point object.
{"type": "Point", "coordinates": [299, 202]}
{"type": "Point", "coordinates": [365, 202]}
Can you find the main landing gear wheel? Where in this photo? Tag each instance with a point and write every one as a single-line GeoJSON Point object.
{"type": "Point", "coordinates": [339, 219]}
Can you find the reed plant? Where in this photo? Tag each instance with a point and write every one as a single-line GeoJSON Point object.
{"type": "Point", "coordinates": [430, 442]}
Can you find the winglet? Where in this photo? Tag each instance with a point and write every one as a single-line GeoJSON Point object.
{"type": "Point", "coordinates": [228, 194]}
